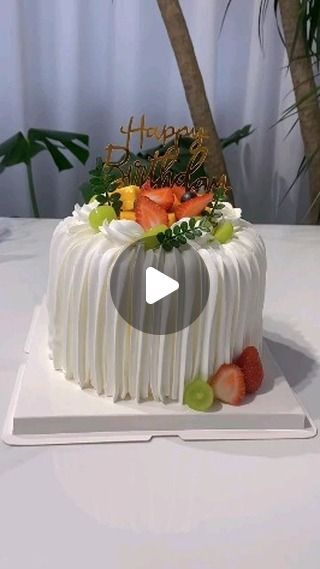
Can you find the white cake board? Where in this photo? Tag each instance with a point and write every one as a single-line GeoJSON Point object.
{"type": "Point", "coordinates": [48, 409]}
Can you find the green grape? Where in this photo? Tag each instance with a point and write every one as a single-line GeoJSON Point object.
{"type": "Point", "coordinates": [100, 214]}
{"type": "Point", "coordinates": [224, 232]}
{"type": "Point", "coordinates": [150, 236]}
{"type": "Point", "coordinates": [198, 395]}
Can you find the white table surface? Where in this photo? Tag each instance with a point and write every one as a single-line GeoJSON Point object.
{"type": "Point", "coordinates": [166, 504]}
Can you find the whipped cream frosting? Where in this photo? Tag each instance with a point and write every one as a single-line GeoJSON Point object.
{"type": "Point", "coordinates": [92, 344]}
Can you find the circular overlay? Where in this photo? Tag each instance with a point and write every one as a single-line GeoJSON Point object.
{"type": "Point", "coordinates": [177, 310]}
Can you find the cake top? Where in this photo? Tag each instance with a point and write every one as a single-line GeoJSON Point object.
{"type": "Point", "coordinates": [147, 220]}
{"type": "Point", "coordinates": [162, 196]}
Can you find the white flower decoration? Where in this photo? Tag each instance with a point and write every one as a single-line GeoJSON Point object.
{"type": "Point", "coordinates": [122, 231]}
{"type": "Point", "coordinates": [81, 212]}
{"type": "Point", "coordinates": [230, 213]}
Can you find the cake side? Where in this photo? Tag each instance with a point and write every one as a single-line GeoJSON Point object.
{"type": "Point", "coordinates": [93, 345]}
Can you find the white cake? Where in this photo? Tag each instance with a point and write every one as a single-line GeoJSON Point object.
{"type": "Point", "coordinates": [95, 347]}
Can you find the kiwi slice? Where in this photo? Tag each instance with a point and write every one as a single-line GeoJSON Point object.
{"type": "Point", "coordinates": [198, 395]}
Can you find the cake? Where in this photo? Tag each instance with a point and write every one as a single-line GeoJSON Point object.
{"type": "Point", "coordinates": [94, 346]}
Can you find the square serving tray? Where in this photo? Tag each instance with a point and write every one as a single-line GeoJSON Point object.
{"type": "Point", "coordinates": [48, 409]}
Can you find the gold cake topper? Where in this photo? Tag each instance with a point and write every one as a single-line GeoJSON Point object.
{"type": "Point", "coordinates": [159, 168]}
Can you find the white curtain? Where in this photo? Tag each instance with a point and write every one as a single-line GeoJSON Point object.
{"type": "Point", "coordinates": [87, 65]}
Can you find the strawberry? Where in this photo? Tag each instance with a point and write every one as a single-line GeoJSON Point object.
{"type": "Point", "coordinates": [193, 207]}
{"type": "Point", "coordinates": [178, 191]}
{"type": "Point", "coordinates": [146, 185]}
{"type": "Point", "coordinates": [176, 202]}
{"type": "Point", "coordinates": [149, 213]}
{"type": "Point", "coordinates": [228, 384]}
{"type": "Point", "coordinates": [161, 196]}
{"type": "Point", "coordinates": [250, 364]}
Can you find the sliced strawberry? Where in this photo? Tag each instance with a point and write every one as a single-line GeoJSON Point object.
{"type": "Point", "coordinates": [178, 191]}
{"type": "Point", "coordinates": [146, 185]}
{"type": "Point", "coordinates": [175, 204]}
{"type": "Point", "coordinates": [228, 384]}
{"type": "Point", "coordinates": [193, 207]}
{"type": "Point", "coordinates": [251, 366]}
{"type": "Point", "coordinates": [161, 196]}
{"type": "Point", "coordinates": [149, 213]}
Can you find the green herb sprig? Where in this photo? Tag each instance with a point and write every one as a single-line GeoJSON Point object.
{"type": "Point", "coordinates": [103, 185]}
{"type": "Point", "coordinates": [215, 206]}
{"type": "Point", "coordinates": [180, 234]}
{"type": "Point", "coordinates": [113, 199]}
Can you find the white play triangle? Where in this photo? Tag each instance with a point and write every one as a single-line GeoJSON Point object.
{"type": "Point", "coordinates": [158, 285]}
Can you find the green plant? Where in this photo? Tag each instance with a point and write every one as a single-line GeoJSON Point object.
{"type": "Point", "coordinates": [298, 24]}
{"type": "Point", "coordinates": [20, 149]}
{"type": "Point", "coordinates": [103, 186]}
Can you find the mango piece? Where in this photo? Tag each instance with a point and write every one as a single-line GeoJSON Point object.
{"type": "Point", "coordinates": [128, 193]}
{"type": "Point", "coordinates": [171, 218]}
{"type": "Point", "coordinates": [130, 215]}
{"type": "Point", "coordinates": [127, 205]}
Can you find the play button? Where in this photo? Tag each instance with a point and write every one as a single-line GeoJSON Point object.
{"type": "Point", "coordinates": [158, 285]}
{"type": "Point", "coordinates": [159, 292]}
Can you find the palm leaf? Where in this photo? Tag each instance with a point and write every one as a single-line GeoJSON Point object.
{"type": "Point", "coordinates": [302, 169]}
{"type": "Point", "coordinates": [225, 15]}
{"type": "Point", "coordinates": [311, 207]}
{"type": "Point", "coordinates": [261, 19]}
{"type": "Point", "coordinates": [308, 23]}
{"type": "Point", "coordinates": [293, 126]}
{"type": "Point", "coordinates": [276, 15]}
{"type": "Point", "coordinates": [293, 109]}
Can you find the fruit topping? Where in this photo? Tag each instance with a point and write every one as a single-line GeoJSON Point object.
{"type": "Point", "coordinates": [149, 214]}
{"type": "Point", "coordinates": [193, 207]}
{"type": "Point", "coordinates": [150, 237]}
{"type": "Point", "coordinates": [171, 218]}
{"type": "Point", "coordinates": [146, 185]}
{"type": "Point", "coordinates": [128, 193]}
{"type": "Point", "coordinates": [198, 395]}
{"type": "Point", "coordinates": [176, 202]}
{"type": "Point", "coordinates": [100, 214]}
{"type": "Point", "coordinates": [161, 196]}
{"type": "Point", "coordinates": [250, 364]}
{"type": "Point", "coordinates": [228, 384]}
{"type": "Point", "coordinates": [188, 196]}
{"type": "Point", "coordinates": [178, 191]}
{"type": "Point", "coordinates": [128, 205]}
{"type": "Point", "coordinates": [224, 232]}
{"type": "Point", "coordinates": [130, 215]}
